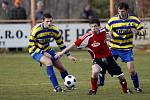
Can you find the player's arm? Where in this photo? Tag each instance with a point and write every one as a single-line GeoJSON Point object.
{"type": "Point", "coordinates": [59, 40]}
{"type": "Point", "coordinates": [66, 50]}
{"type": "Point", "coordinates": [61, 45]}
{"type": "Point", "coordinates": [32, 45]}
{"type": "Point", "coordinates": [139, 27]}
{"type": "Point", "coordinates": [60, 54]}
{"type": "Point", "coordinates": [108, 29]}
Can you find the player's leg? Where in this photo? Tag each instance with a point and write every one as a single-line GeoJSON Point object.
{"type": "Point", "coordinates": [58, 64]}
{"type": "Point", "coordinates": [101, 77]}
{"type": "Point", "coordinates": [94, 78]}
{"type": "Point", "coordinates": [134, 76]}
{"type": "Point", "coordinates": [50, 71]}
{"type": "Point", "coordinates": [114, 69]}
{"type": "Point", "coordinates": [127, 56]}
{"type": "Point", "coordinates": [123, 84]}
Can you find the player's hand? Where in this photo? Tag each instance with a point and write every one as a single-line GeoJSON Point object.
{"type": "Point", "coordinates": [58, 55]}
{"type": "Point", "coordinates": [72, 58]}
{"type": "Point", "coordinates": [142, 33]}
{"type": "Point", "coordinates": [47, 55]}
{"type": "Point", "coordinates": [134, 30]}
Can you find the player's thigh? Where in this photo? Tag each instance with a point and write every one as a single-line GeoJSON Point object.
{"type": "Point", "coordinates": [41, 58]}
{"type": "Point", "coordinates": [58, 64]}
{"type": "Point", "coordinates": [115, 53]}
{"type": "Point", "coordinates": [126, 55]}
{"type": "Point", "coordinates": [112, 67]}
{"type": "Point", "coordinates": [46, 60]}
{"type": "Point", "coordinates": [96, 69]}
{"type": "Point", "coordinates": [130, 66]}
{"type": "Point", "coordinates": [101, 64]}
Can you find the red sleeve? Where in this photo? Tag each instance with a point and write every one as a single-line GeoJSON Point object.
{"type": "Point", "coordinates": [78, 42]}
{"type": "Point", "coordinates": [83, 40]}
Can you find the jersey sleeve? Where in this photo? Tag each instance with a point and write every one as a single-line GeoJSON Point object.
{"type": "Point", "coordinates": [139, 26]}
{"type": "Point", "coordinates": [59, 40]}
{"type": "Point", "coordinates": [32, 43]}
{"type": "Point", "coordinates": [82, 42]}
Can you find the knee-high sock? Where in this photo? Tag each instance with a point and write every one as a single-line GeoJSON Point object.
{"type": "Point", "coordinates": [135, 80]}
{"type": "Point", "coordinates": [94, 83]}
{"type": "Point", "coordinates": [101, 79]}
{"type": "Point", "coordinates": [64, 74]}
{"type": "Point", "coordinates": [124, 86]}
{"type": "Point", "coordinates": [102, 76]}
{"type": "Point", "coordinates": [52, 76]}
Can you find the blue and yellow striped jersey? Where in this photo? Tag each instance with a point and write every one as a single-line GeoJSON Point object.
{"type": "Point", "coordinates": [40, 38]}
{"type": "Point", "coordinates": [120, 31]}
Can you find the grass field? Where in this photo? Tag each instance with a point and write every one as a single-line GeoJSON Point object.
{"type": "Point", "coordinates": [21, 79]}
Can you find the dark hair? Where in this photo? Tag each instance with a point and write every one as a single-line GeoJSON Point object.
{"type": "Point", "coordinates": [94, 20]}
{"type": "Point", "coordinates": [123, 5]}
{"type": "Point", "coordinates": [5, 2]}
{"type": "Point", "coordinates": [47, 15]}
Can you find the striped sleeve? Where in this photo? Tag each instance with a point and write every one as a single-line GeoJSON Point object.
{"type": "Point", "coordinates": [59, 40]}
{"type": "Point", "coordinates": [32, 43]}
{"type": "Point", "coordinates": [140, 27]}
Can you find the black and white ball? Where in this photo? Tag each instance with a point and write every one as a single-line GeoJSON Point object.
{"type": "Point", "coordinates": [70, 81]}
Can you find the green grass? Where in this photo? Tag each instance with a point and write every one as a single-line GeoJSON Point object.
{"type": "Point", "coordinates": [20, 79]}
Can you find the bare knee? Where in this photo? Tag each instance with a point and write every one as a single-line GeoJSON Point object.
{"type": "Point", "coordinates": [45, 60]}
{"type": "Point", "coordinates": [131, 68]}
{"type": "Point", "coordinates": [95, 70]}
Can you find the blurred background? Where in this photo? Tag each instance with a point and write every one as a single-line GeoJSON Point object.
{"type": "Point", "coordinates": [21, 15]}
{"type": "Point", "coordinates": [64, 9]}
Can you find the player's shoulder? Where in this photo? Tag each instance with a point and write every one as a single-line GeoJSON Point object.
{"type": "Point", "coordinates": [88, 34]}
{"type": "Point", "coordinates": [133, 16]}
{"type": "Point", "coordinates": [54, 27]}
{"type": "Point", "coordinates": [37, 28]}
{"type": "Point", "coordinates": [113, 18]}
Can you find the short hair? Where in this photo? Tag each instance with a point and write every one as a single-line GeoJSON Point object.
{"type": "Point", "coordinates": [5, 2]}
{"type": "Point", "coordinates": [47, 15]}
{"type": "Point", "coordinates": [123, 5]}
{"type": "Point", "coordinates": [94, 20]}
{"type": "Point", "coordinates": [39, 3]}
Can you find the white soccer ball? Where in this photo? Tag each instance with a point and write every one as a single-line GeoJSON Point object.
{"type": "Point", "coordinates": [70, 81]}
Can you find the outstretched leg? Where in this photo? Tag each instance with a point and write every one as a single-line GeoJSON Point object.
{"type": "Point", "coordinates": [134, 76]}
{"type": "Point", "coordinates": [58, 64]}
{"type": "Point", "coordinates": [123, 83]}
{"type": "Point", "coordinates": [94, 78]}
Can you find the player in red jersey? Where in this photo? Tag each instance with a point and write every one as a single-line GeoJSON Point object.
{"type": "Point", "coordinates": [95, 42]}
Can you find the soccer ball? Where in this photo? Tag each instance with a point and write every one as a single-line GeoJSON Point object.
{"type": "Point", "coordinates": [70, 81]}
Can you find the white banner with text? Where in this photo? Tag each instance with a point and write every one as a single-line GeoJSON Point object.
{"type": "Point", "coordinates": [16, 35]}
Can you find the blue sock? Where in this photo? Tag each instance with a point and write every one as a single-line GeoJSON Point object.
{"type": "Point", "coordinates": [52, 76]}
{"type": "Point", "coordinates": [135, 80]}
{"type": "Point", "coordinates": [64, 74]}
{"type": "Point", "coordinates": [101, 79]}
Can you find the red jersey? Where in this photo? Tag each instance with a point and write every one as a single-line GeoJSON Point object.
{"type": "Point", "coordinates": [95, 43]}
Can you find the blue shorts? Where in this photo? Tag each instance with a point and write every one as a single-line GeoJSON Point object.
{"type": "Point", "coordinates": [37, 56]}
{"type": "Point", "coordinates": [124, 55]}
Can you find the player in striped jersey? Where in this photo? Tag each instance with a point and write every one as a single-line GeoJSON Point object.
{"type": "Point", "coordinates": [41, 51]}
{"type": "Point", "coordinates": [122, 27]}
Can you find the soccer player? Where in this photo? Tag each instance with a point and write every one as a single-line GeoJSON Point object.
{"type": "Point", "coordinates": [122, 27]}
{"type": "Point", "coordinates": [95, 42]}
{"type": "Point", "coordinates": [41, 51]}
